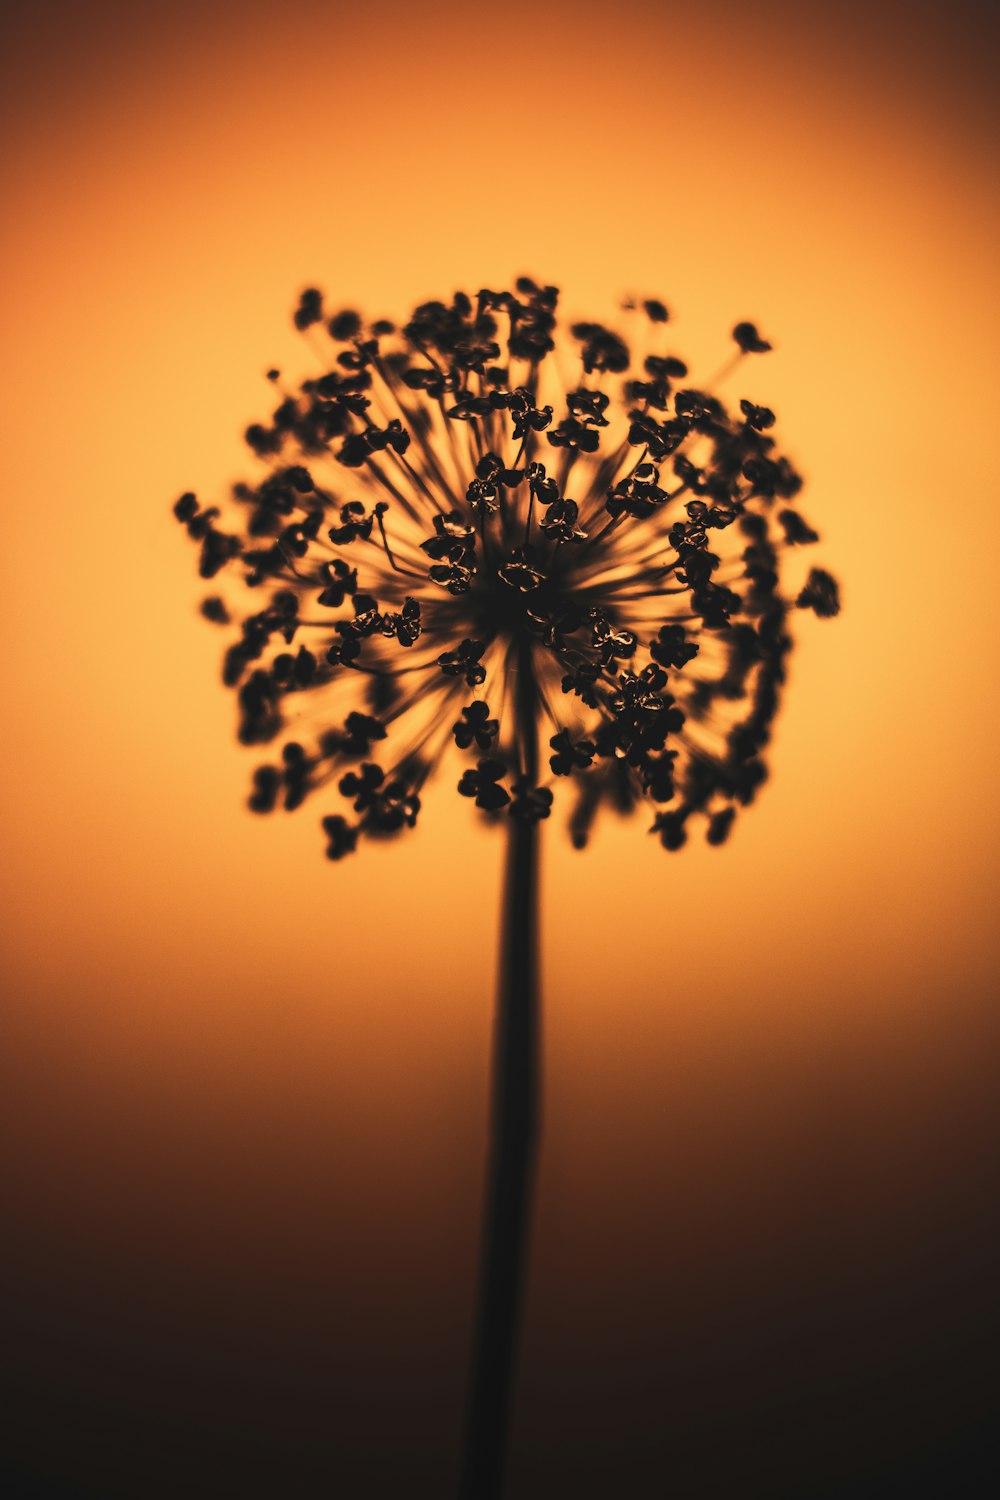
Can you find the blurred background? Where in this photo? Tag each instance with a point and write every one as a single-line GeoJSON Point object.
{"type": "Point", "coordinates": [246, 1090]}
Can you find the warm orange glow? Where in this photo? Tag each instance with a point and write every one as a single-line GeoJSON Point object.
{"type": "Point", "coordinates": [242, 1079]}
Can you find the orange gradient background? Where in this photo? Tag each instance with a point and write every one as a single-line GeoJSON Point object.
{"type": "Point", "coordinates": [246, 1090]}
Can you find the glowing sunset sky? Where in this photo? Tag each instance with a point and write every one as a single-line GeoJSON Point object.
{"type": "Point", "coordinates": [246, 1088]}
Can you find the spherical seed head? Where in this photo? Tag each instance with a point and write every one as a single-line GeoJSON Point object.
{"type": "Point", "coordinates": [579, 588]}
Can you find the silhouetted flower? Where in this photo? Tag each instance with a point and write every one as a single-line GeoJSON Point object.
{"type": "Point", "coordinates": [476, 727]}
{"type": "Point", "coordinates": [605, 566]}
{"type": "Point", "coordinates": [820, 594]}
{"type": "Point", "coordinates": [483, 784]}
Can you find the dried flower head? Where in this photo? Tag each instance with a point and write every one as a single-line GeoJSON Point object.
{"type": "Point", "coordinates": [479, 529]}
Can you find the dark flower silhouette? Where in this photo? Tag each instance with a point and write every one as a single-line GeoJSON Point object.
{"type": "Point", "coordinates": [438, 515]}
{"type": "Point", "coordinates": [605, 565]}
{"type": "Point", "coordinates": [476, 726]}
{"type": "Point", "coordinates": [483, 784]}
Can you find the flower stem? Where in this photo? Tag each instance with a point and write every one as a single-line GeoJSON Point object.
{"type": "Point", "coordinates": [514, 1139]}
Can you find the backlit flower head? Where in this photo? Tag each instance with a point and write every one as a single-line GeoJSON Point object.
{"type": "Point", "coordinates": [535, 547]}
